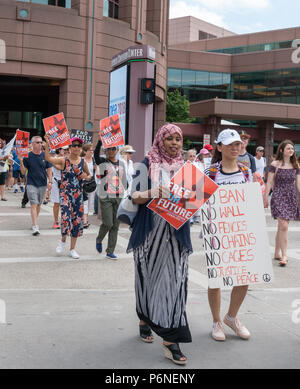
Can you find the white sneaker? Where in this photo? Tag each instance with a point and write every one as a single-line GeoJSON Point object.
{"type": "Point", "coordinates": [73, 254]}
{"type": "Point", "coordinates": [35, 230]}
{"type": "Point", "coordinates": [218, 332]}
{"type": "Point", "coordinates": [237, 327]}
{"type": "Point", "coordinates": [60, 248]}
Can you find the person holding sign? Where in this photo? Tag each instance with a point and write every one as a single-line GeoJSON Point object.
{"type": "Point", "coordinates": [73, 171]}
{"type": "Point", "coordinates": [112, 186]}
{"type": "Point", "coordinates": [226, 170]}
{"type": "Point", "coordinates": [160, 252]}
{"type": "Point", "coordinates": [284, 178]}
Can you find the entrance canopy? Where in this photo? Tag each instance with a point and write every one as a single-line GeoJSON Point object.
{"type": "Point", "coordinates": [246, 110]}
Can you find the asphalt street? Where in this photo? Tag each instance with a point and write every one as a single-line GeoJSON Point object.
{"type": "Point", "coordinates": [66, 313]}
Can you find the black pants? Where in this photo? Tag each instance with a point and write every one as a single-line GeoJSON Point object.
{"type": "Point", "coordinates": [25, 197]}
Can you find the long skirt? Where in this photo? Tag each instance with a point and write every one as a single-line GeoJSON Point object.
{"type": "Point", "coordinates": [161, 277]}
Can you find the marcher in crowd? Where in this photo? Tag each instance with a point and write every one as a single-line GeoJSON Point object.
{"type": "Point", "coordinates": [161, 270]}
{"type": "Point", "coordinates": [113, 185]}
{"type": "Point", "coordinates": [226, 170]}
{"type": "Point", "coordinates": [89, 198]}
{"type": "Point", "coordinates": [38, 171]}
{"type": "Point", "coordinates": [191, 155]}
{"type": "Point", "coordinates": [246, 158]}
{"type": "Point", "coordinates": [54, 195]}
{"type": "Point", "coordinates": [3, 170]}
{"type": "Point", "coordinates": [73, 171]}
{"type": "Point", "coordinates": [126, 153]}
{"type": "Point", "coordinates": [284, 179]}
{"type": "Point", "coordinates": [17, 175]}
{"type": "Point", "coordinates": [260, 161]}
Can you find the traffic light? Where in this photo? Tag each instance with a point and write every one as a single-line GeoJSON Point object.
{"type": "Point", "coordinates": [147, 91]}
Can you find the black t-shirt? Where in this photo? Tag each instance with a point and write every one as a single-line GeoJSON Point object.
{"type": "Point", "coordinates": [37, 169]}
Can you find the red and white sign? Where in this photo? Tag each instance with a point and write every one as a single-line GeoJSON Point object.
{"type": "Point", "coordinates": [206, 139]}
{"type": "Point", "coordinates": [110, 132]}
{"type": "Point", "coordinates": [189, 190]}
{"type": "Point", "coordinates": [55, 126]}
{"type": "Point", "coordinates": [22, 143]}
{"type": "Point", "coordinates": [235, 237]}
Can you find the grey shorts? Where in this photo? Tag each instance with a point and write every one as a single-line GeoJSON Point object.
{"type": "Point", "coordinates": [36, 194]}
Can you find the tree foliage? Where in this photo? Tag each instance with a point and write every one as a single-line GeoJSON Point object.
{"type": "Point", "coordinates": [177, 108]}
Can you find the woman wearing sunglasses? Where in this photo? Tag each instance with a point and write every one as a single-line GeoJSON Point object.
{"type": "Point", "coordinates": [73, 171]}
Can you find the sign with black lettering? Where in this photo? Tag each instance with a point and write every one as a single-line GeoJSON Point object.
{"type": "Point", "coordinates": [86, 136]}
{"type": "Point", "coordinates": [235, 237]}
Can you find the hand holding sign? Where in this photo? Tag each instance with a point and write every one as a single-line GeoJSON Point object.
{"type": "Point", "coordinates": [110, 132]}
{"type": "Point", "coordinates": [56, 128]}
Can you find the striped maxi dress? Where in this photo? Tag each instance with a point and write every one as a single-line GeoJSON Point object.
{"type": "Point", "coordinates": [161, 277]}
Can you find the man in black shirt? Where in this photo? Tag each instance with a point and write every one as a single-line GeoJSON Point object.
{"type": "Point", "coordinates": [38, 172]}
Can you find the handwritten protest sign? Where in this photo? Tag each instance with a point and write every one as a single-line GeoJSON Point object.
{"type": "Point", "coordinates": [235, 237]}
{"type": "Point", "coordinates": [110, 132]}
{"type": "Point", "coordinates": [86, 136]}
{"type": "Point", "coordinates": [56, 127]}
{"type": "Point", "coordinates": [189, 190]}
{"type": "Point", "coordinates": [22, 143]}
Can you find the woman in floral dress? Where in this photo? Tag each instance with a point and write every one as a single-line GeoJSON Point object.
{"type": "Point", "coordinates": [73, 171]}
{"type": "Point", "coordinates": [284, 178]}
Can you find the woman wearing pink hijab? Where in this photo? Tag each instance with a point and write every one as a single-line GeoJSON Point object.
{"type": "Point", "coordinates": [160, 252]}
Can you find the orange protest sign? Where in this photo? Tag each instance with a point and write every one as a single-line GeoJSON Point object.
{"type": "Point", "coordinates": [110, 132]}
{"type": "Point", "coordinates": [189, 190]}
{"type": "Point", "coordinates": [56, 127]}
{"type": "Point", "coordinates": [22, 143]}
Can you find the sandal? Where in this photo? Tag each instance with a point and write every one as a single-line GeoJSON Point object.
{"type": "Point", "coordinates": [146, 333]}
{"type": "Point", "coordinates": [86, 225]}
{"type": "Point", "coordinates": [174, 353]}
{"type": "Point", "coordinates": [283, 261]}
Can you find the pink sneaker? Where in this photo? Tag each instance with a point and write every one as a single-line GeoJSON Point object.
{"type": "Point", "coordinates": [218, 332]}
{"type": "Point", "coordinates": [237, 327]}
{"type": "Point", "coordinates": [56, 226]}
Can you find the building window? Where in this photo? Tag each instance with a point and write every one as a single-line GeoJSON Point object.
{"type": "Point", "coordinates": [58, 3]}
{"type": "Point", "coordinates": [111, 8]}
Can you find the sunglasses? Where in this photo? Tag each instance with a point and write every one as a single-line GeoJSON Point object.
{"type": "Point", "coordinates": [111, 149]}
{"type": "Point", "coordinates": [38, 142]}
{"type": "Point", "coordinates": [76, 145]}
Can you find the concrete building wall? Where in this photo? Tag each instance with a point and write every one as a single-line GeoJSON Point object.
{"type": "Point", "coordinates": [75, 46]}
{"type": "Point", "coordinates": [187, 28]}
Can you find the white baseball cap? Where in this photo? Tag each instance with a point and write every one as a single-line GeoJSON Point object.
{"type": "Point", "coordinates": [228, 136]}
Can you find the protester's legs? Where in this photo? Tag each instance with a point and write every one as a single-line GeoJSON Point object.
{"type": "Point", "coordinates": [107, 218]}
{"type": "Point", "coordinates": [2, 191]}
{"type": "Point", "coordinates": [214, 299]}
{"type": "Point", "coordinates": [282, 231]}
{"type": "Point", "coordinates": [56, 212]}
{"type": "Point", "coordinates": [238, 295]}
{"type": "Point", "coordinates": [113, 232]}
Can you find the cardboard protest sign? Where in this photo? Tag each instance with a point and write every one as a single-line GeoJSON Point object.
{"type": "Point", "coordinates": [235, 237]}
{"type": "Point", "coordinates": [56, 127]}
{"type": "Point", "coordinates": [22, 143]}
{"type": "Point", "coordinates": [86, 136]}
{"type": "Point", "coordinates": [110, 132]}
{"type": "Point", "coordinates": [189, 190]}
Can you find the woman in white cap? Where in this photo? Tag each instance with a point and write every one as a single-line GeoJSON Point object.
{"type": "Point", "coordinates": [226, 170]}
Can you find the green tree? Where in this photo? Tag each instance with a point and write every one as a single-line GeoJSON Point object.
{"type": "Point", "coordinates": [177, 108]}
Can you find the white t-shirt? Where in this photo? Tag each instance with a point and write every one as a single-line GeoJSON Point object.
{"type": "Point", "coordinates": [260, 165]}
{"type": "Point", "coordinates": [238, 177]}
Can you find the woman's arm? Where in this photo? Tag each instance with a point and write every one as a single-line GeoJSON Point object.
{"type": "Point", "coordinates": [58, 163]}
{"type": "Point", "coordinates": [298, 182]}
{"type": "Point", "coordinates": [269, 186]}
{"type": "Point", "coordinates": [144, 197]}
{"type": "Point", "coordinates": [86, 175]}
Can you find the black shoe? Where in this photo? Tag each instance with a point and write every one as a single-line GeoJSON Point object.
{"type": "Point", "coordinates": [174, 353]}
{"type": "Point", "coordinates": [23, 206]}
{"type": "Point", "coordinates": [146, 333]}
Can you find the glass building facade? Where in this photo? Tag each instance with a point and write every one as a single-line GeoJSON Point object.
{"type": "Point", "coordinates": [252, 48]}
{"type": "Point", "coordinates": [59, 3]}
{"type": "Point", "coordinates": [277, 86]}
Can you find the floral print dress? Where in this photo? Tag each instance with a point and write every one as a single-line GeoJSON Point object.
{"type": "Point", "coordinates": [284, 201]}
{"type": "Point", "coordinates": [71, 199]}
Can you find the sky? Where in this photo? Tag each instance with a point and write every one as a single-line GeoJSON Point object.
{"type": "Point", "coordinates": [241, 16]}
